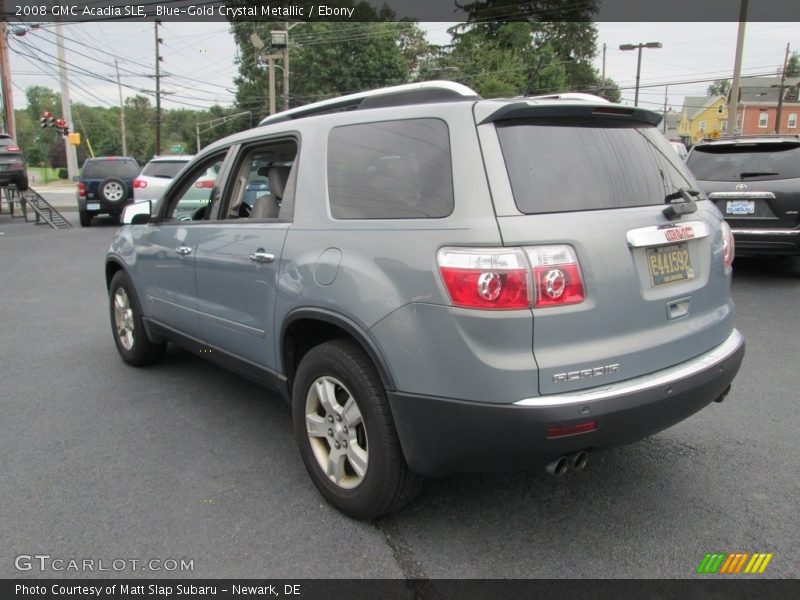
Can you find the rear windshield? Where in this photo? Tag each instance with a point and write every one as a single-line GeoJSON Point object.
{"type": "Point", "coordinates": [163, 168]}
{"type": "Point", "coordinates": [745, 162]}
{"type": "Point", "coordinates": [4, 141]}
{"type": "Point", "coordinates": [100, 169]}
{"type": "Point", "coordinates": [571, 163]}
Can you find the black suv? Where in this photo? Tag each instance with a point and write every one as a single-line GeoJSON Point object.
{"type": "Point", "coordinates": [755, 182]}
{"type": "Point", "coordinates": [12, 164]}
{"type": "Point", "coordinates": [105, 186]}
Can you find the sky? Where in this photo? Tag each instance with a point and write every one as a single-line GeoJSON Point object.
{"type": "Point", "coordinates": [199, 59]}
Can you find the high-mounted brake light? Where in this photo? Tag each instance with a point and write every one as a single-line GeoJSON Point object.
{"type": "Point", "coordinates": [139, 183]}
{"type": "Point", "coordinates": [487, 278]}
{"type": "Point", "coordinates": [13, 149]}
{"type": "Point", "coordinates": [557, 278]}
{"type": "Point", "coordinates": [728, 251]}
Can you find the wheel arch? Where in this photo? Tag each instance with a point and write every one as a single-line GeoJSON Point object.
{"type": "Point", "coordinates": [305, 328]}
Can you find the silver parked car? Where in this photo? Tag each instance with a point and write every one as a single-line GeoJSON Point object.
{"type": "Point", "coordinates": [440, 283]}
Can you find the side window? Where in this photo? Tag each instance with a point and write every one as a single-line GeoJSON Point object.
{"type": "Point", "coordinates": [390, 170]}
{"type": "Point", "coordinates": [193, 199]}
{"type": "Point", "coordinates": [260, 189]}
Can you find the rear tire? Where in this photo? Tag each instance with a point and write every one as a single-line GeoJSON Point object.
{"type": "Point", "coordinates": [127, 326]}
{"type": "Point", "coordinates": [86, 218]}
{"type": "Point", "coordinates": [22, 184]}
{"type": "Point", "coordinates": [346, 435]}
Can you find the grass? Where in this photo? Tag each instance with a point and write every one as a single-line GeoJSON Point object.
{"type": "Point", "coordinates": [44, 175]}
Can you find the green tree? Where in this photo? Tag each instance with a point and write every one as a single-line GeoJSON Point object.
{"type": "Point", "coordinates": [793, 66]}
{"type": "Point", "coordinates": [139, 120]}
{"type": "Point", "coordinates": [535, 47]}
{"type": "Point", "coordinates": [329, 59]}
{"type": "Point", "coordinates": [720, 87]}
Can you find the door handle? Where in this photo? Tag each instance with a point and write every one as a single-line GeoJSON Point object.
{"type": "Point", "coordinates": [260, 256]}
{"type": "Point", "coordinates": [183, 250]}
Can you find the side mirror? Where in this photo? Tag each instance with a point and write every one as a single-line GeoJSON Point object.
{"type": "Point", "coordinates": [76, 178]}
{"type": "Point", "coordinates": [137, 213]}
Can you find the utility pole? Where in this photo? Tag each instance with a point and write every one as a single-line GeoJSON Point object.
{"type": "Point", "coordinates": [666, 93]}
{"type": "Point", "coordinates": [158, 89]}
{"type": "Point", "coordinates": [66, 107]}
{"type": "Point", "coordinates": [5, 88]}
{"type": "Point", "coordinates": [781, 87]}
{"type": "Point", "coordinates": [733, 99]}
{"type": "Point", "coordinates": [286, 69]}
{"type": "Point", "coordinates": [603, 79]}
{"type": "Point", "coordinates": [121, 113]}
{"type": "Point", "coordinates": [271, 66]}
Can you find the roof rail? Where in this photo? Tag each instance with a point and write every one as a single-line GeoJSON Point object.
{"type": "Point", "coordinates": [398, 95]}
{"type": "Point", "coordinates": [727, 138]}
{"type": "Point", "coordinates": [568, 96]}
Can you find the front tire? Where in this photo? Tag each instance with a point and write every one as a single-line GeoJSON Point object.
{"type": "Point", "coordinates": [130, 337]}
{"type": "Point", "coordinates": [346, 434]}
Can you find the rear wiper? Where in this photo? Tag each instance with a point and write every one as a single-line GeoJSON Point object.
{"type": "Point", "coordinates": [755, 174]}
{"type": "Point", "coordinates": [686, 207]}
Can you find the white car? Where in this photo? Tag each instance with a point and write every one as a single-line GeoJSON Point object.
{"type": "Point", "coordinates": [156, 176]}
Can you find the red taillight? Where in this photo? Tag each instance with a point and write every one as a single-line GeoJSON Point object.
{"type": "Point", "coordinates": [139, 183]}
{"type": "Point", "coordinates": [494, 279]}
{"type": "Point", "coordinates": [502, 279]}
{"type": "Point", "coordinates": [557, 276]}
{"type": "Point", "coordinates": [206, 184]}
{"type": "Point", "coordinates": [82, 190]}
{"type": "Point", "coordinates": [728, 250]}
{"type": "Point", "coordinates": [557, 432]}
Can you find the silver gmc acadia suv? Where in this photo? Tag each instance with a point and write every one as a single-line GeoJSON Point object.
{"type": "Point", "coordinates": [440, 283]}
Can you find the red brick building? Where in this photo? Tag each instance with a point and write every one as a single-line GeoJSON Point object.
{"type": "Point", "coordinates": [758, 106]}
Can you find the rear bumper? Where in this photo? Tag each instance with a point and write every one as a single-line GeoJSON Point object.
{"type": "Point", "coordinates": [7, 177]}
{"type": "Point", "coordinates": [755, 242]}
{"type": "Point", "coordinates": [440, 435]}
{"type": "Point", "coordinates": [105, 207]}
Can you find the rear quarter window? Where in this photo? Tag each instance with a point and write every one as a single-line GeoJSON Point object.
{"type": "Point", "coordinates": [390, 170]}
{"type": "Point", "coordinates": [563, 164]}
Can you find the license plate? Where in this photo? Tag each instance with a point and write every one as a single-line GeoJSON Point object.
{"type": "Point", "coordinates": [741, 207]}
{"type": "Point", "coordinates": [92, 206]}
{"type": "Point", "coordinates": [669, 264]}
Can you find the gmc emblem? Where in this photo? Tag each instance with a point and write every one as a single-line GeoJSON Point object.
{"type": "Point", "coordinates": [676, 234]}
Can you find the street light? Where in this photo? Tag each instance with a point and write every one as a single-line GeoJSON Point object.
{"type": "Point", "coordinates": [639, 62]}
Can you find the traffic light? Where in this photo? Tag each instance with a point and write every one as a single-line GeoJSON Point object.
{"type": "Point", "coordinates": [47, 119]}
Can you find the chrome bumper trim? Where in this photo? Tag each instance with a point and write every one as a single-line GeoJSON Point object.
{"type": "Point", "coordinates": [766, 231]}
{"type": "Point", "coordinates": [645, 382]}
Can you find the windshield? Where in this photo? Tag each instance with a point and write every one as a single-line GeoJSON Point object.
{"type": "Point", "coordinates": [745, 162]}
{"type": "Point", "coordinates": [100, 169]}
{"type": "Point", "coordinates": [571, 163]}
{"type": "Point", "coordinates": [166, 169]}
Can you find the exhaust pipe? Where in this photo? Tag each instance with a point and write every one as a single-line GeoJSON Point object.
{"type": "Point", "coordinates": [557, 467]}
{"type": "Point", "coordinates": [578, 460]}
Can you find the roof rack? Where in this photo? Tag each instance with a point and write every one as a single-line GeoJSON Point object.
{"type": "Point", "coordinates": [569, 96]}
{"type": "Point", "coordinates": [750, 136]}
{"type": "Point", "coordinates": [399, 95]}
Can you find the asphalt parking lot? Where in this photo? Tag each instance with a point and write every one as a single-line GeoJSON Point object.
{"type": "Point", "coordinates": [187, 461]}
